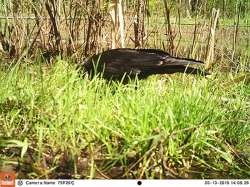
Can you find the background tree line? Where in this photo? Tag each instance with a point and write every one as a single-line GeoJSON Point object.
{"type": "Point", "coordinates": [79, 28]}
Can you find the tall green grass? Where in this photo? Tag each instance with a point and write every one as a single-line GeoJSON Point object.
{"type": "Point", "coordinates": [58, 124]}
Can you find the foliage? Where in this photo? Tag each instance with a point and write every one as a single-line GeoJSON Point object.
{"type": "Point", "coordinates": [176, 126]}
{"type": "Point", "coordinates": [56, 123]}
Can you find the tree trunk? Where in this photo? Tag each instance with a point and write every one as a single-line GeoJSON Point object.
{"type": "Point", "coordinates": [169, 31]}
{"type": "Point", "coordinates": [118, 31]}
{"type": "Point", "coordinates": [139, 29]}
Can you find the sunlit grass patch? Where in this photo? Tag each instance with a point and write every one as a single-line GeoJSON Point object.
{"type": "Point", "coordinates": [56, 123]}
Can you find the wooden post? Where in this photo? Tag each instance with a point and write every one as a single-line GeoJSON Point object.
{"type": "Point", "coordinates": [211, 39]}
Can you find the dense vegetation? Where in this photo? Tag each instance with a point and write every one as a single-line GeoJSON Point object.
{"type": "Point", "coordinates": [56, 123]}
